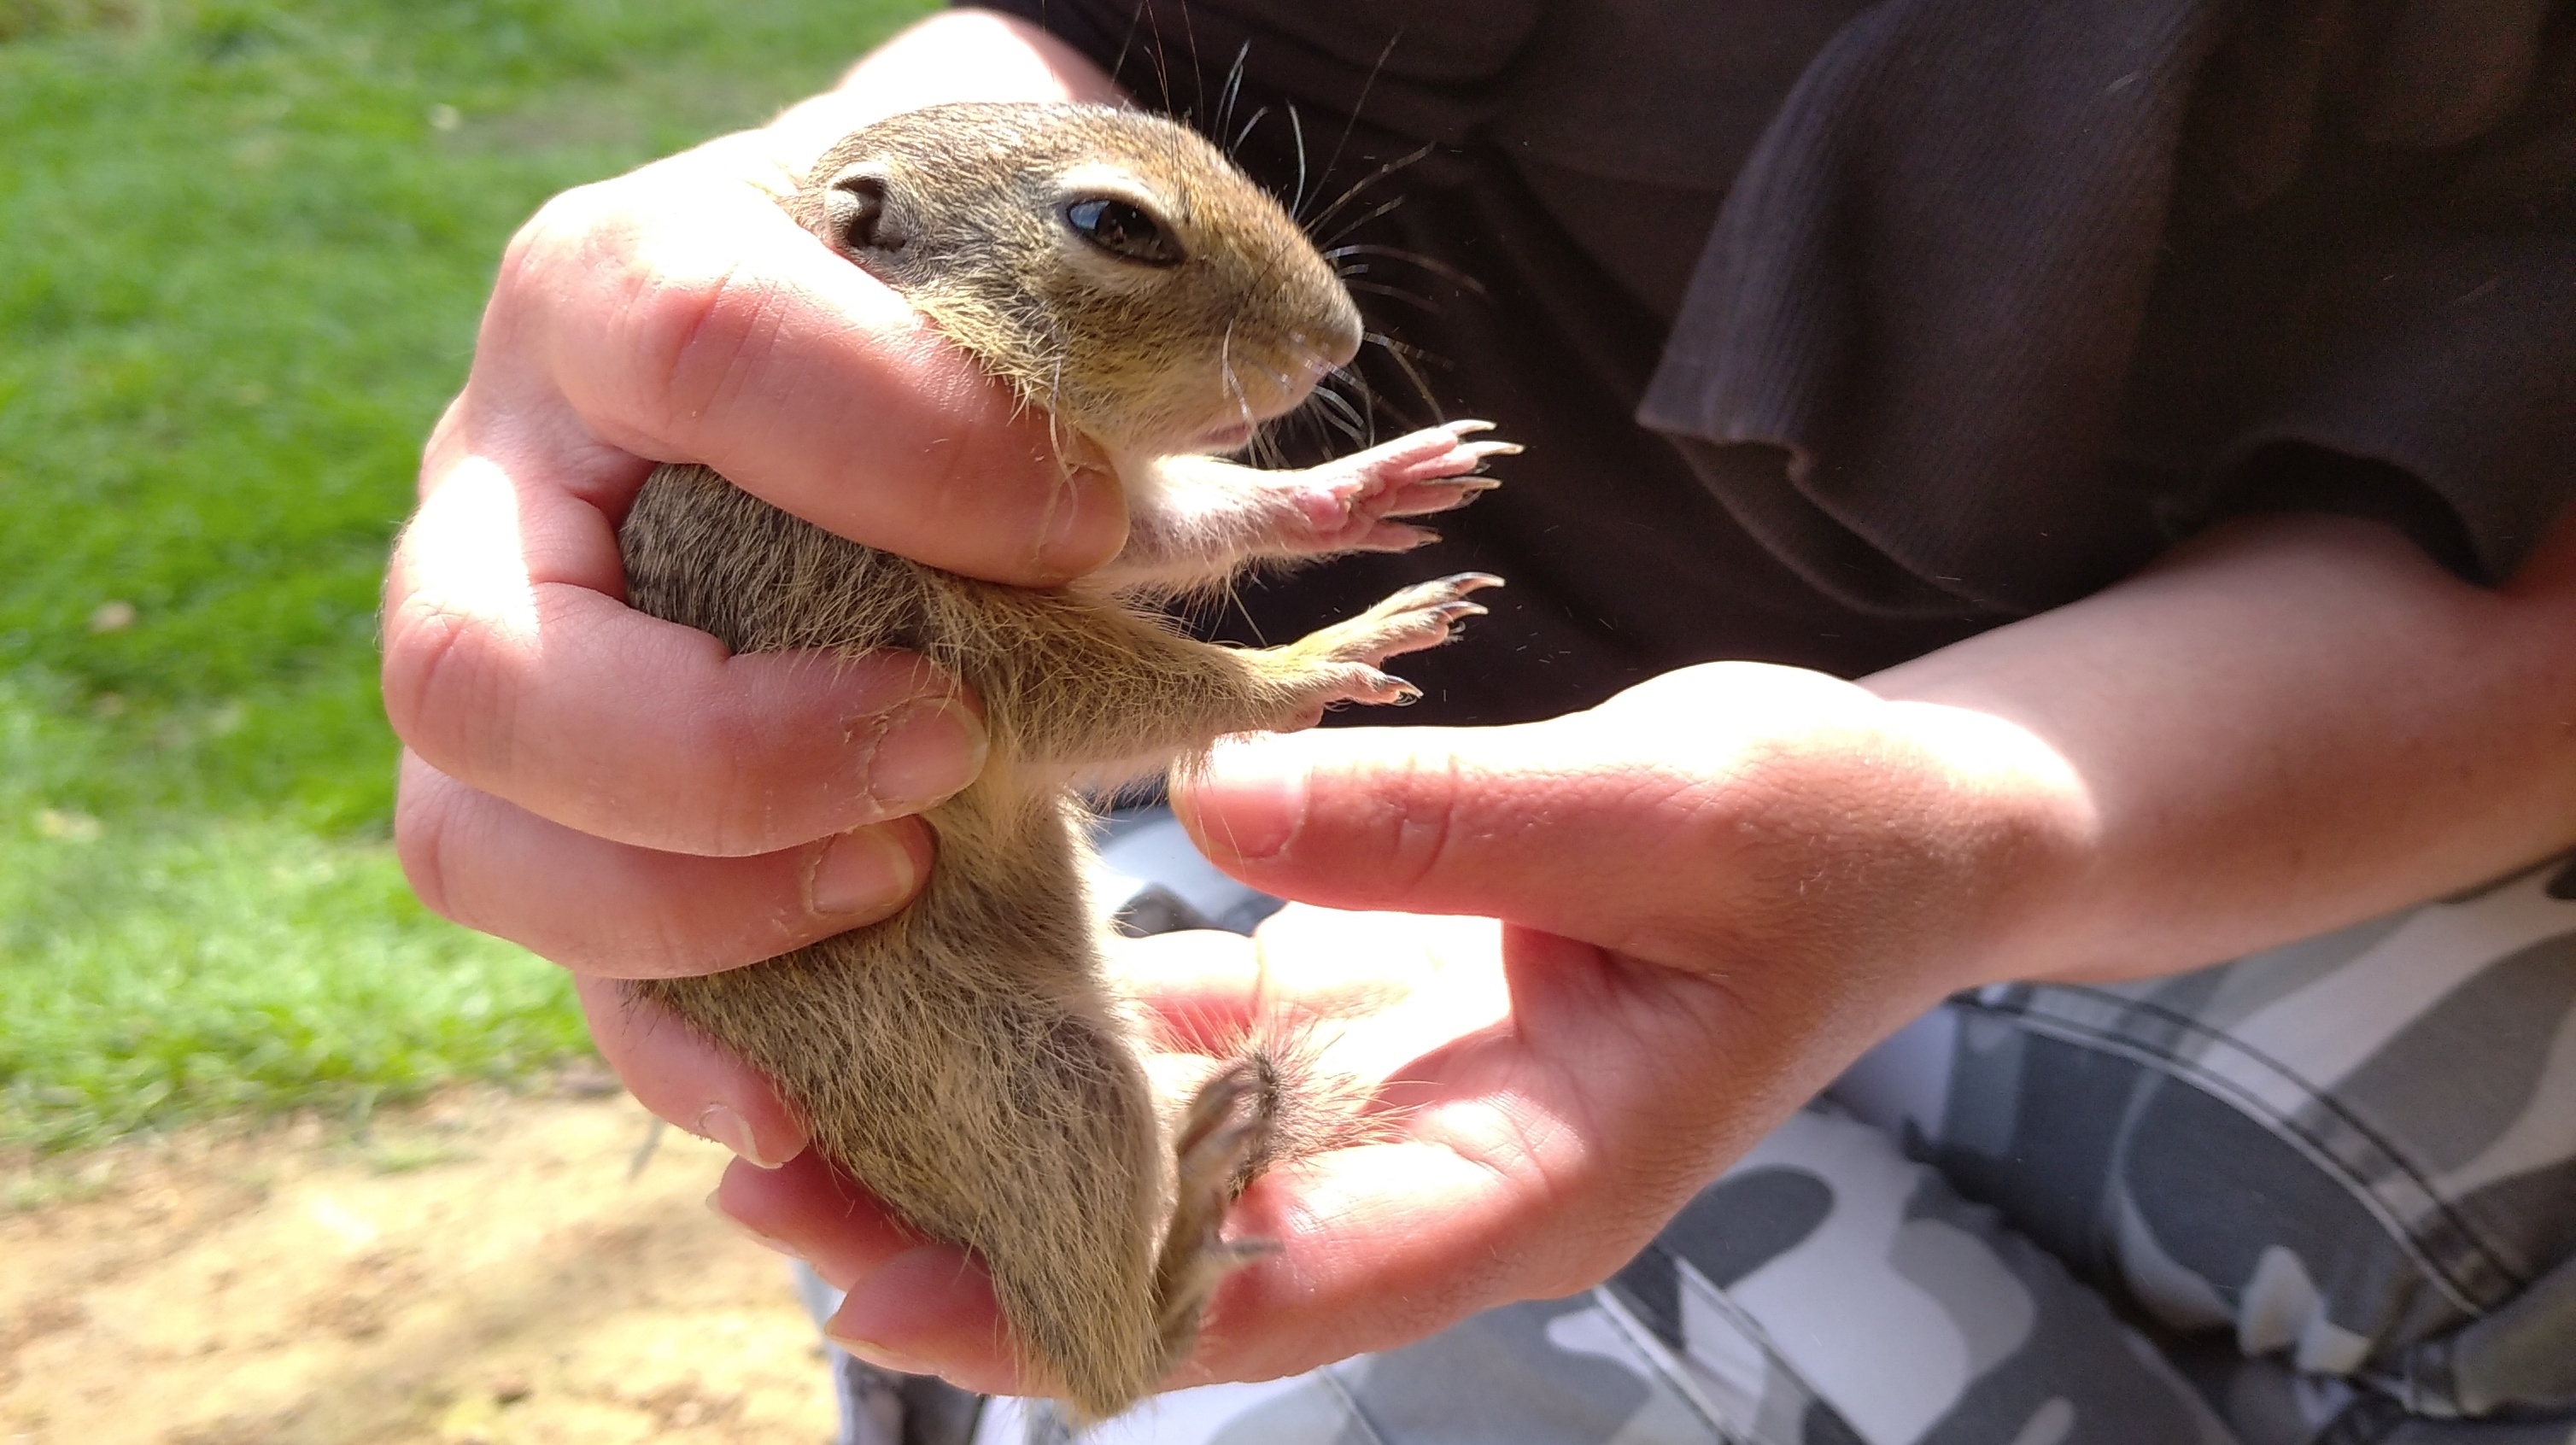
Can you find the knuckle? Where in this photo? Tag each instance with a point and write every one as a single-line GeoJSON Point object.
{"type": "Point", "coordinates": [627, 269]}
{"type": "Point", "coordinates": [441, 687]}
{"type": "Point", "coordinates": [660, 944]}
{"type": "Point", "coordinates": [1590, 1261]}
{"type": "Point", "coordinates": [729, 782]}
{"type": "Point", "coordinates": [640, 938]}
{"type": "Point", "coordinates": [1421, 828]}
{"type": "Point", "coordinates": [569, 229]}
{"type": "Point", "coordinates": [449, 841]}
{"type": "Point", "coordinates": [421, 819]}
{"type": "Point", "coordinates": [695, 319]}
{"type": "Point", "coordinates": [417, 635]}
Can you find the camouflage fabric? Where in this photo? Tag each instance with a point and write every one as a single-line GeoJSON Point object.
{"type": "Point", "coordinates": [2354, 1158]}
{"type": "Point", "coordinates": [1827, 1291]}
{"type": "Point", "coordinates": [2321, 1196]}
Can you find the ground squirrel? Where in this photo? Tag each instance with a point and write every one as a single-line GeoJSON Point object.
{"type": "Point", "coordinates": [968, 1059]}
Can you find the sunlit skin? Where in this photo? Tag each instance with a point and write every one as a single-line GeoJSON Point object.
{"type": "Point", "coordinates": [1647, 931]}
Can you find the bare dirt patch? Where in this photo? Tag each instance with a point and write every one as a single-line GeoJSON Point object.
{"type": "Point", "coordinates": [480, 1271]}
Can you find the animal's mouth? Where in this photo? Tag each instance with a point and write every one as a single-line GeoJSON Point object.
{"type": "Point", "coordinates": [1260, 389]}
{"type": "Point", "coordinates": [1233, 436]}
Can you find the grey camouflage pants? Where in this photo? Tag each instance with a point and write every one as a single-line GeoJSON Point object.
{"type": "Point", "coordinates": [2323, 1195]}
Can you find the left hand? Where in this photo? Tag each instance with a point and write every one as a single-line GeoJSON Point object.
{"type": "Point", "coordinates": [1721, 886]}
{"type": "Point", "coordinates": [1682, 913]}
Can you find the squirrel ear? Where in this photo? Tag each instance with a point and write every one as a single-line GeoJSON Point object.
{"type": "Point", "coordinates": [856, 214]}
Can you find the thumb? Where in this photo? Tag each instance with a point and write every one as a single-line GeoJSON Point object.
{"type": "Point", "coordinates": [1523, 823]}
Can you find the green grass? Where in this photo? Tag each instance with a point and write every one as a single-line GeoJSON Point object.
{"type": "Point", "coordinates": [242, 250]}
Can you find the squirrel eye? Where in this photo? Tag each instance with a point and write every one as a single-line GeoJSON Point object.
{"type": "Point", "coordinates": [1122, 230]}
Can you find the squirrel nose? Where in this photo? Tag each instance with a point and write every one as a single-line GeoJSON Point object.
{"type": "Point", "coordinates": [1328, 343]}
{"type": "Point", "coordinates": [1338, 340]}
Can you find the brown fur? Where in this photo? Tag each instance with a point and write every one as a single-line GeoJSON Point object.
{"type": "Point", "coordinates": [968, 1058]}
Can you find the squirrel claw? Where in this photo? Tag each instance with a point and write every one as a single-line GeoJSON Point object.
{"type": "Point", "coordinates": [1346, 503]}
{"type": "Point", "coordinates": [1421, 616]}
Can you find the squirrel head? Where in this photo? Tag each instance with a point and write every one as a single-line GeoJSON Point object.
{"type": "Point", "coordinates": [1112, 266]}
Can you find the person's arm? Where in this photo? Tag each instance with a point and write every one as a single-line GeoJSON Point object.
{"type": "Point", "coordinates": [1719, 888]}
{"type": "Point", "coordinates": [2290, 725]}
{"type": "Point", "coordinates": [2287, 727]}
{"type": "Point", "coordinates": [616, 792]}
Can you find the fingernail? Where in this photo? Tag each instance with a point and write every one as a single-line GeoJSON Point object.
{"type": "Point", "coordinates": [924, 752]}
{"type": "Point", "coordinates": [861, 872]}
{"type": "Point", "coordinates": [719, 1122]}
{"type": "Point", "coordinates": [1251, 800]}
{"type": "Point", "coordinates": [715, 1206]}
{"type": "Point", "coordinates": [1086, 523]}
{"type": "Point", "coordinates": [894, 1288]}
{"type": "Point", "coordinates": [878, 1355]}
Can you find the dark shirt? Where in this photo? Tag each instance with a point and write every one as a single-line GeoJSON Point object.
{"type": "Point", "coordinates": [1940, 312]}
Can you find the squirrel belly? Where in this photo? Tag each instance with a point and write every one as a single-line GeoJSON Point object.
{"type": "Point", "coordinates": [963, 1058]}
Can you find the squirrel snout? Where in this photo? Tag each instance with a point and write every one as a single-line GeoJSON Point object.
{"type": "Point", "coordinates": [1338, 341]}
{"type": "Point", "coordinates": [1325, 345]}
{"type": "Point", "coordinates": [1263, 388]}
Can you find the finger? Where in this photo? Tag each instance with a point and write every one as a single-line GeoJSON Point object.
{"type": "Point", "coordinates": [509, 666]}
{"type": "Point", "coordinates": [683, 316]}
{"type": "Point", "coordinates": [815, 1212]}
{"type": "Point", "coordinates": [608, 908]}
{"type": "Point", "coordinates": [930, 1310]}
{"type": "Point", "coordinates": [1639, 826]}
{"type": "Point", "coordinates": [679, 1074]}
{"type": "Point", "coordinates": [1503, 822]}
{"type": "Point", "coordinates": [914, 1305]}
{"type": "Point", "coordinates": [1465, 457]}
{"type": "Point", "coordinates": [1529, 1160]}
{"type": "Point", "coordinates": [1360, 1263]}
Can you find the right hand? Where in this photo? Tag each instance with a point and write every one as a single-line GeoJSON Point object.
{"type": "Point", "coordinates": [618, 793]}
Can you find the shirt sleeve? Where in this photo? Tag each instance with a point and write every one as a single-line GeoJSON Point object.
{"type": "Point", "coordinates": [2012, 295]}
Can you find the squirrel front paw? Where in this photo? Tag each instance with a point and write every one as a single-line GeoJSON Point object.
{"type": "Point", "coordinates": [1194, 521]}
{"type": "Point", "coordinates": [1352, 503]}
{"type": "Point", "coordinates": [1417, 617]}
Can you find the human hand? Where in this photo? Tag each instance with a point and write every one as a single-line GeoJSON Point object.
{"type": "Point", "coordinates": [1678, 916]}
{"type": "Point", "coordinates": [616, 792]}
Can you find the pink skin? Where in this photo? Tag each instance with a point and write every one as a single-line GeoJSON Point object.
{"type": "Point", "coordinates": [1350, 503]}
{"type": "Point", "coordinates": [1199, 518]}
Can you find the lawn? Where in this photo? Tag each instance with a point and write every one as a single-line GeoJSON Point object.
{"type": "Point", "coordinates": [242, 249]}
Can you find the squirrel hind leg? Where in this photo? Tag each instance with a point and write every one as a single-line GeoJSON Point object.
{"type": "Point", "coordinates": [1218, 1144]}
{"type": "Point", "coordinates": [1271, 1105]}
